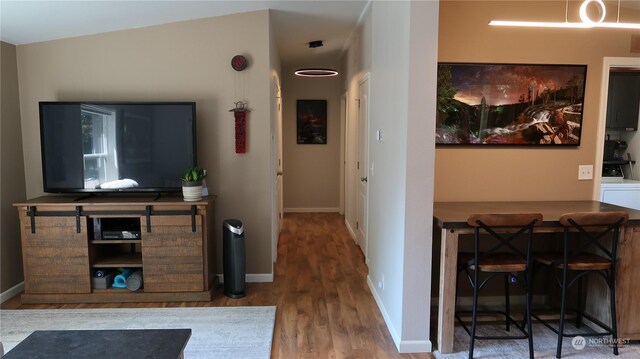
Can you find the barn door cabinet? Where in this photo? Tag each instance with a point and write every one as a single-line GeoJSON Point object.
{"type": "Point", "coordinates": [64, 243]}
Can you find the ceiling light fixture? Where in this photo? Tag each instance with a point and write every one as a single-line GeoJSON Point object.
{"type": "Point", "coordinates": [316, 43]}
{"type": "Point", "coordinates": [317, 72]}
{"type": "Point", "coordinates": [586, 23]}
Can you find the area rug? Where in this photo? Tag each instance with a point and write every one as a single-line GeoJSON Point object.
{"type": "Point", "coordinates": [217, 332]}
{"type": "Point", "coordinates": [544, 345]}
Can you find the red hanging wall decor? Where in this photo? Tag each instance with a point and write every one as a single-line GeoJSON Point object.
{"type": "Point", "coordinates": [240, 115]}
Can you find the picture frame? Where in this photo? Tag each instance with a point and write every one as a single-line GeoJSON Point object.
{"type": "Point", "coordinates": [509, 104]}
{"type": "Point", "coordinates": [311, 122]}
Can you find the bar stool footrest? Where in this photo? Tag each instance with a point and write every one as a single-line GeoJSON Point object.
{"type": "Point", "coordinates": [485, 312]}
{"type": "Point", "coordinates": [608, 330]}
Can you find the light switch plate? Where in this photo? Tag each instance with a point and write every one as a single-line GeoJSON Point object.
{"type": "Point", "coordinates": [379, 135]}
{"type": "Point", "coordinates": [585, 172]}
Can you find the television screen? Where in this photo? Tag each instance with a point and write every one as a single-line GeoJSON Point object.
{"type": "Point", "coordinates": [509, 104]}
{"type": "Point", "coordinates": [116, 147]}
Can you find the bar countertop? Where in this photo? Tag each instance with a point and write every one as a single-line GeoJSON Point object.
{"type": "Point", "coordinates": [455, 214]}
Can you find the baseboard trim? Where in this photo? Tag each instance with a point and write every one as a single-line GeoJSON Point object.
{"type": "Point", "coordinates": [351, 231]}
{"type": "Point", "coordinates": [11, 292]}
{"type": "Point", "coordinates": [415, 346]}
{"type": "Point", "coordinates": [252, 278]}
{"type": "Point", "coordinates": [312, 210]}
{"type": "Point", "coordinates": [403, 346]}
{"type": "Point", "coordinates": [385, 315]}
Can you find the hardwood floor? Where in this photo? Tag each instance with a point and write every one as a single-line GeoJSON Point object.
{"type": "Point", "coordinates": [324, 306]}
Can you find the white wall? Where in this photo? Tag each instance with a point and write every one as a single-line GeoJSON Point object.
{"type": "Point", "coordinates": [403, 78]}
{"type": "Point", "coordinates": [276, 135]}
{"type": "Point", "coordinates": [423, 60]}
{"type": "Point", "coordinates": [397, 43]}
{"type": "Point", "coordinates": [357, 63]}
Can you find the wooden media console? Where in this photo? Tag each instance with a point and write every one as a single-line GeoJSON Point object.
{"type": "Point", "coordinates": [63, 246]}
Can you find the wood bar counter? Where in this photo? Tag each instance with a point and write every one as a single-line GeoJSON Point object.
{"type": "Point", "coordinates": [451, 218]}
{"type": "Point", "coordinates": [173, 246]}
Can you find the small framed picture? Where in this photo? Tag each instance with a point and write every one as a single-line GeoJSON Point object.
{"type": "Point", "coordinates": [312, 122]}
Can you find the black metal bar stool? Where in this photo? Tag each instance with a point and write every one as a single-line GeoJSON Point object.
{"type": "Point", "coordinates": [503, 259]}
{"type": "Point", "coordinates": [591, 229]}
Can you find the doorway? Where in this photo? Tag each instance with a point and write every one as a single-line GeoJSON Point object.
{"type": "Point", "coordinates": [608, 64]}
{"type": "Point", "coordinates": [276, 138]}
{"type": "Point", "coordinates": [363, 166]}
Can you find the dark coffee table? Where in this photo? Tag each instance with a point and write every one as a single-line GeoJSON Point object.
{"type": "Point", "coordinates": [102, 344]}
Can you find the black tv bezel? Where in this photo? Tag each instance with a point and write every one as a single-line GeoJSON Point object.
{"type": "Point", "coordinates": [520, 145]}
{"type": "Point", "coordinates": [118, 190]}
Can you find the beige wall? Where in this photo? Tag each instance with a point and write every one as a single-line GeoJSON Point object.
{"type": "Point", "coordinates": [311, 172]}
{"type": "Point", "coordinates": [525, 173]}
{"type": "Point", "coordinates": [185, 61]}
{"type": "Point", "coordinates": [12, 187]}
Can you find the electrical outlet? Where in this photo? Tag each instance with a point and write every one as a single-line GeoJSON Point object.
{"type": "Point", "coordinates": [381, 282]}
{"type": "Point", "coordinates": [585, 172]}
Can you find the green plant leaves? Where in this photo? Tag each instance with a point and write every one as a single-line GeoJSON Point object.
{"type": "Point", "coordinates": [194, 174]}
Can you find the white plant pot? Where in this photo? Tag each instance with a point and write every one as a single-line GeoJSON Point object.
{"type": "Point", "coordinates": [192, 191]}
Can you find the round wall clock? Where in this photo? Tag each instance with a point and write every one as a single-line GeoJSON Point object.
{"type": "Point", "coordinates": [239, 62]}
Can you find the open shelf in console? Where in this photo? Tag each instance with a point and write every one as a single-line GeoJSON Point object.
{"type": "Point", "coordinates": [114, 228]}
{"type": "Point", "coordinates": [114, 242]}
{"type": "Point", "coordinates": [125, 260]}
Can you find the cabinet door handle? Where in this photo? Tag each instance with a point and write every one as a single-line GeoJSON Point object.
{"type": "Point", "coordinates": [148, 215]}
{"type": "Point", "coordinates": [193, 218]}
{"type": "Point", "coordinates": [78, 212]}
{"type": "Point", "coordinates": [32, 214]}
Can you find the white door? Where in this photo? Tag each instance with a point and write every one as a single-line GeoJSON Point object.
{"type": "Point", "coordinates": [362, 165]}
{"type": "Point", "coordinates": [279, 175]}
{"type": "Point", "coordinates": [276, 139]}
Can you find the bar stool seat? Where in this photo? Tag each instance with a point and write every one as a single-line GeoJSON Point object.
{"type": "Point", "coordinates": [589, 231]}
{"type": "Point", "coordinates": [580, 262]}
{"type": "Point", "coordinates": [503, 259]}
{"type": "Point", "coordinates": [495, 262]}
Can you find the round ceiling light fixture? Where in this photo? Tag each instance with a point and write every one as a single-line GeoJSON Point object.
{"type": "Point", "coordinates": [316, 72]}
{"type": "Point", "coordinates": [316, 43]}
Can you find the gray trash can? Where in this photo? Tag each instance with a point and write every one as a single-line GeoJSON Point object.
{"type": "Point", "coordinates": [233, 258]}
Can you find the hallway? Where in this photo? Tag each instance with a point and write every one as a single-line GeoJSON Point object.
{"type": "Point", "coordinates": [325, 308]}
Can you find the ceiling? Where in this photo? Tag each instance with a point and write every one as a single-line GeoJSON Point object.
{"type": "Point", "coordinates": [295, 23]}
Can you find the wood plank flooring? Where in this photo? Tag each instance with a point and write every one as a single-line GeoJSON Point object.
{"type": "Point", "coordinates": [324, 306]}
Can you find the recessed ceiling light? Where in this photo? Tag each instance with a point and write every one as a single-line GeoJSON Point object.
{"type": "Point", "coordinates": [316, 72]}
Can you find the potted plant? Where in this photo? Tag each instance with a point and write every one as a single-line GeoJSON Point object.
{"type": "Point", "coordinates": [192, 183]}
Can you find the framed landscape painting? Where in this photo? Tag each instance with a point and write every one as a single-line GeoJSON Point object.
{"type": "Point", "coordinates": [311, 122]}
{"type": "Point", "coordinates": [509, 104]}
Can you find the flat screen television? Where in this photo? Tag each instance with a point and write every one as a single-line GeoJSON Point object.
{"type": "Point", "coordinates": [116, 147]}
{"type": "Point", "coordinates": [509, 104]}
